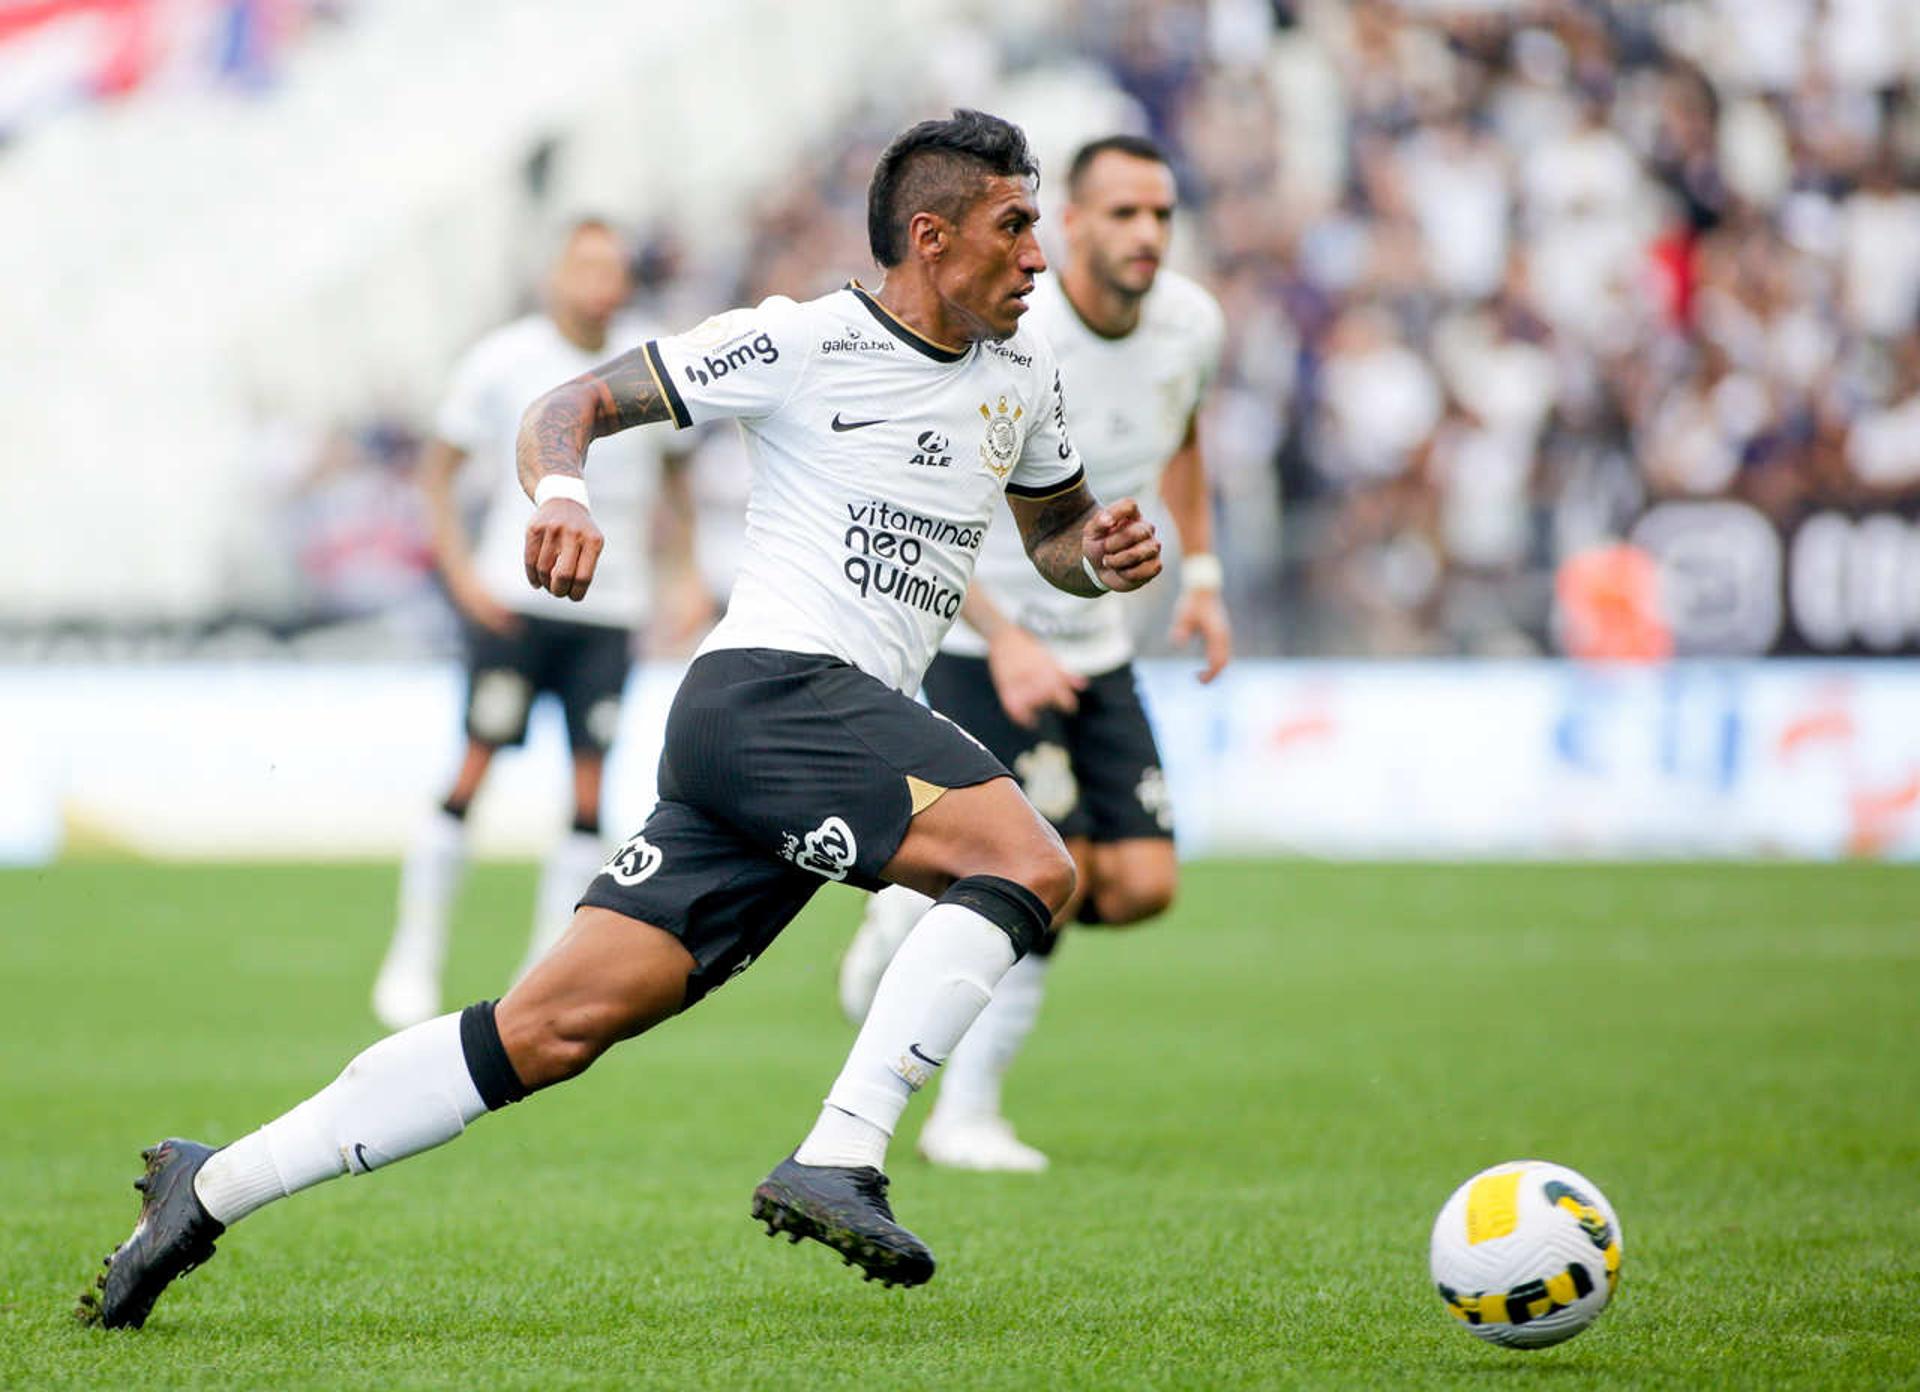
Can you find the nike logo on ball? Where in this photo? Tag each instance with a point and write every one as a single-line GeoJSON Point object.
{"type": "Point", "coordinates": [840, 425]}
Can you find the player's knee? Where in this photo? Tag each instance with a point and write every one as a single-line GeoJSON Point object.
{"type": "Point", "coordinates": [1049, 872]}
{"type": "Point", "coordinates": [1134, 901]}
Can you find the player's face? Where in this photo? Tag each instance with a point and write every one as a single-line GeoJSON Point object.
{"type": "Point", "coordinates": [590, 280]}
{"type": "Point", "coordinates": [1121, 220]}
{"type": "Point", "coordinates": [988, 270]}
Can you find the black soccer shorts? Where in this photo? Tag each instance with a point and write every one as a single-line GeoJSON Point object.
{"type": "Point", "coordinates": [1095, 773]}
{"type": "Point", "coordinates": [585, 665]}
{"type": "Point", "coordinates": [780, 771]}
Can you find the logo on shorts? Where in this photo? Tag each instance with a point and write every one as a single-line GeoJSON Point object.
{"type": "Point", "coordinates": [1000, 446]}
{"type": "Point", "coordinates": [1046, 777]}
{"type": "Point", "coordinates": [603, 721]}
{"type": "Point", "coordinates": [828, 850]}
{"type": "Point", "coordinates": [498, 709]}
{"type": "Point", "coordinates": [1152, 792]}
{"type": "Point", "coordinates": [636, 860]}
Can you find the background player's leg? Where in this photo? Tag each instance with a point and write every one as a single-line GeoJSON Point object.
{"type": "Point", "coordinates": [1130, 881]}
{"type": "Point", "coordinates": [889, 917]}
{"type": "Point", "coordinates": [571, 861]}
{"type": "Point", "coordinates": [407, 990]}
{"type": "Point", "coordinates": [1000, 872]}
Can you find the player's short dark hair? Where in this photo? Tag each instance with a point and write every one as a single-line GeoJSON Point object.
{"type": "Point", "coordinates": [938, 167]}
{"type": "Point", "coordinates": [1138, 146]}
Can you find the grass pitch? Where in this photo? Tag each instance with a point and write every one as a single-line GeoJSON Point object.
{"type": "Point", "coordinates": [1254, 1109]}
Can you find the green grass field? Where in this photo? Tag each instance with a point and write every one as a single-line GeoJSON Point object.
{"type": "Point", "coordinates": [1254, 1110]}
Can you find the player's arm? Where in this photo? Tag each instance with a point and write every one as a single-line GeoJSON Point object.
{"type": "Point", "coordinates": [1199, 613]}
{"type": "Point", "coordinates": [1026, 676]}
{"type": "Point", "coordinates": [1084, 547]}
{"type": "Point", "coordinates": [439, 465]}
{"type": "Point", "coordinates": [563, 544]}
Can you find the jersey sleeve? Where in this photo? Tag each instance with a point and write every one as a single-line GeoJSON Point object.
{"type": "Point", "coordinates": [468, 412]}
{"type": "Point", "coordinates": [1049, 463]}
{"type": "Point", "coordinates": [745, 362]}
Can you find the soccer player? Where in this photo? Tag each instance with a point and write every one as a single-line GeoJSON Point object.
{"type": "Point", "coordinates": [1045, 679]}
{"type": "Point", "coordinates": [884, 427]}
{"type": "Point", "coordinates": [520, 641]}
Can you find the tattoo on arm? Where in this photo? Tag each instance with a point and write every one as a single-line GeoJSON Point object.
{"type": "Point", "coordinates": [1050, 528]}
{"type": "Point", "coordinates": [556, 430]}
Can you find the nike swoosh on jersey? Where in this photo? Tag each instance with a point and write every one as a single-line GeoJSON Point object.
{"type": "Point", "coordinates": [840, 425]}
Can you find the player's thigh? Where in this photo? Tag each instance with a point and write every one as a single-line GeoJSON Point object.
{"type": "Point", "coordinates": [503, 676]}
{"type": "Point", "coordinates": [587, 670]}
{"type": "Point", "coordinates": [961, 688]}
{"type": "Point", "coordinates": [722, 899]}
{"type": "Point", "coordinates": [812, 761]}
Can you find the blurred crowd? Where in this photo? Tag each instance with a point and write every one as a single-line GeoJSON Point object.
{"type": "Point", "coordinates": [1499, 278]}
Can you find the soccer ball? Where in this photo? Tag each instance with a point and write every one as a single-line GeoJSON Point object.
{"type": "Point", "coordinates": [1526, 1254]}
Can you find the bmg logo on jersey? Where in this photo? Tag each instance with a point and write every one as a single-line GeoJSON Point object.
{"type": "Point", "coordinates": [742, 352]}
{"type": "Point", "coordinates": [933, 449]}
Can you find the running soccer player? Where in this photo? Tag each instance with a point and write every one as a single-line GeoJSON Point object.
{"type": "Point", "coordinates": [1046, 679]}
{"type": "Point", "coordinates": [521, 642]}
{"type": "Point", "coordinates": [884, 427]}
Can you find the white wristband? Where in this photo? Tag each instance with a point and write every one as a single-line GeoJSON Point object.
{"type": "Point", "coordinates": [1201, 571]}
{"type": "Point", "coordinates": [561, 486]}
{"type": "Point", "coordinates": [1086, 564]}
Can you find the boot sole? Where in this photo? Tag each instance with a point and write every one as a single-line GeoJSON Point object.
{"type": "Point", "coordinates": [782, 1213]}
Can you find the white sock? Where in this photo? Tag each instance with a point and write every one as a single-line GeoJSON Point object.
{"type": "Point", "coordinates": [405, 1094]}
{"type": "Point", "coordinates": [970, 1083]}
{"type": "Point", "coordinates": [429, 881]}
{"type": "Point", "coordinates": [937, 983]}
{"type": "Point", "coordinates": [573, 861]}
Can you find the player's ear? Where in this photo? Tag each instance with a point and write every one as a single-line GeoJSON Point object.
{"type": "Point", "coordinates": [929, 234]}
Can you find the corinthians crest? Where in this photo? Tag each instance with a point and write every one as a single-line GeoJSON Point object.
{"type": "Point", "coordinates": [1001, 444]}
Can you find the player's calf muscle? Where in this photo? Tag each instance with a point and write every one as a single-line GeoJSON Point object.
{"type": "Point", "coordinates": [611, 979]}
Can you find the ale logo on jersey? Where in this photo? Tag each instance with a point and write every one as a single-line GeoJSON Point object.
{"type": "Point", "coordinates": [1001, 444]}
{"type": "Point", "coordinates": [932, 453]}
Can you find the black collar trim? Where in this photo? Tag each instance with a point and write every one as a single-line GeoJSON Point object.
{"type": "Point", "coordinates": [939, 352]}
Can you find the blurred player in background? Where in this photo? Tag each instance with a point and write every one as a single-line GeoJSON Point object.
{"type": "Point", "coordinates": [1046, 679]}
{"type": "Point", "coordinates": [521, 642]}
{"type": "Point", "coordinates": [793, 753]}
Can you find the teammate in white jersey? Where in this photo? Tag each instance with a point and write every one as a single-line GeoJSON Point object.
{"type": "Point", "coordinates": [1045, 679]}
{"type": "Point", "coordinates": [519, 641]}
{"type": "Point", "coordinates": [884, 427]}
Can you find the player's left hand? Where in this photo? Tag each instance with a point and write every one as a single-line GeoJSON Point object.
{"type": "Point", "coordinates": [563, 547]}
{"type": "Point", "coordinates": [1201, 614]}
{"type": "Point", "coordinates": [1121, 545]}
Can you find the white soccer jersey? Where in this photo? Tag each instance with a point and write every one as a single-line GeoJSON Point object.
{"type": "Point", "coordinates": [878, 460]}
{"type": "Point", "coordinates": [1131, 400]}
{"type": "Point", "coordinates": [492, 387]}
